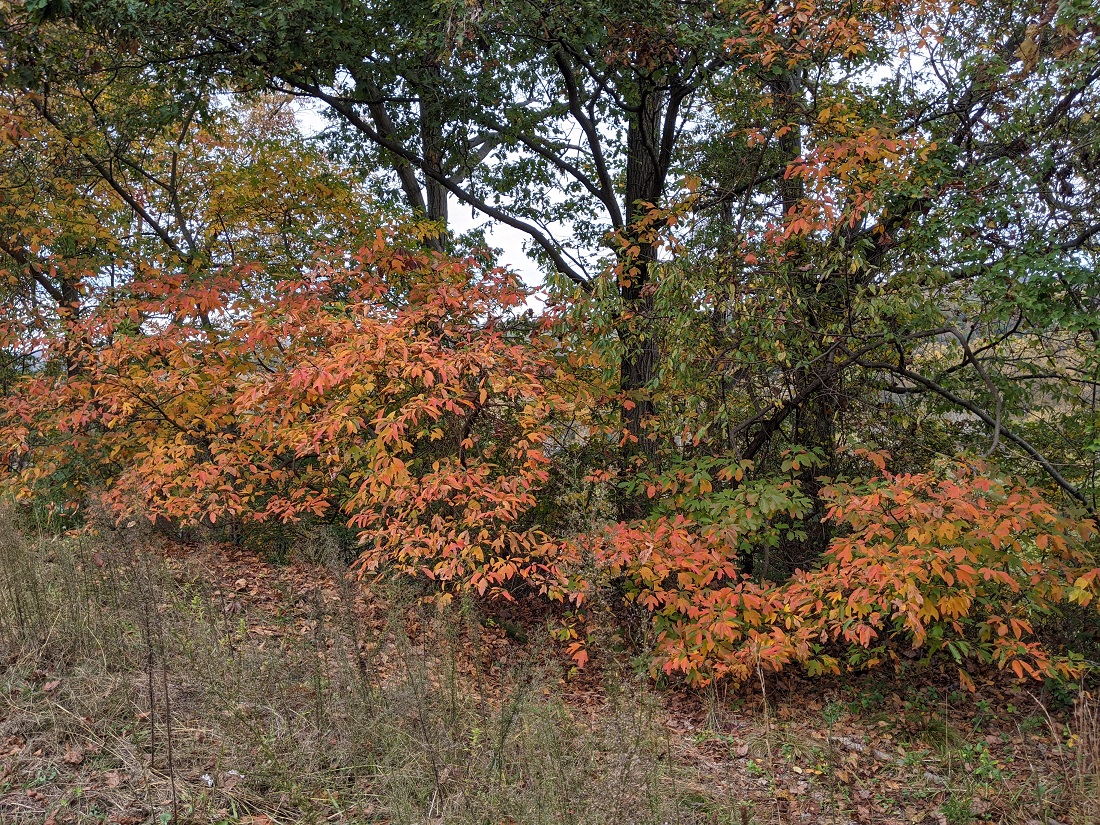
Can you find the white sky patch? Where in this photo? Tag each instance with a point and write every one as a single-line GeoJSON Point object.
{"type": "Point", "coordinates": [500, 236]}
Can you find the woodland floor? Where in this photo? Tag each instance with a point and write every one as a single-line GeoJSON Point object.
{"type": "Point", "coordinates": [207, 685]}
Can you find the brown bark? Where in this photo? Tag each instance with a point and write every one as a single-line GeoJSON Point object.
{"type": "Point", "coordinates": [645, 177]}
{"type": "Point", "coordinates": [644, 181]}
{"type": "Point", "coordinates": [431, 150]}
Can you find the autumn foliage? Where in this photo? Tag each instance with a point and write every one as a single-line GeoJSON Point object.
{"type": "Point", "coordinates": [399, 394]}
{"type": "Point", "coordinates": [957, 561]}
{"type": "Point", "coordinates": [770, 233]}
{"type": "Point", "coordinates": [404, 395]}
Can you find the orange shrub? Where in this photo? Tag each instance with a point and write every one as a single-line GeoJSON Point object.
{"type": "Point", "coordinates": [959, 561]}
{"type": "Point", "coordinates": [402, 395]}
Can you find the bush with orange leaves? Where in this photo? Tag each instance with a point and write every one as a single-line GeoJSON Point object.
{"type": "Point", "coordinates": [404, 395]}
{"type": "Point", "coordinates": [958, 561]}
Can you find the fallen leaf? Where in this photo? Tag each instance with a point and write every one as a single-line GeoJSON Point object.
{"type": "Point", "coordinates": [74, 756]}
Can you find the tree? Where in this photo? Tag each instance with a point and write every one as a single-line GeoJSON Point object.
{"type": "Point", "coordinates": [870, 281]}
{"type": "Point", "coordinates": [99, 202]}
{"type": "Point", "coordinates": [399, 394]}
{"type": "Point", "coordinates": [584, 110]}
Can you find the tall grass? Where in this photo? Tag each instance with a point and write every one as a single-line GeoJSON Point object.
{"type": "Point", "coordinates": [141, 687]}
{"type": "Point", "coordinates": [1085, 776]}
{"type": "Point", "coordinates": [183, 708]}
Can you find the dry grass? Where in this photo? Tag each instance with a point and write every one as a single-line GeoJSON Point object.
{"type": "Point", "coordinates": [1084, 781]}
{"type": "Point", "coordinates": [138, 690]}
{"type": "Point", "coordinates": [145, 685]}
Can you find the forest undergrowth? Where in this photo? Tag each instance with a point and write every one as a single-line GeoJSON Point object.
{"type": "Point", "coordinates": [147, 681]}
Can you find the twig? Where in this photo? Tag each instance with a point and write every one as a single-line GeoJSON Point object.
{"type": "Point", "coordinates": [168, 740]}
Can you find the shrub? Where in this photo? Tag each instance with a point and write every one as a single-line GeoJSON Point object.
{"type": "Point", "coordinates": [958, 561]}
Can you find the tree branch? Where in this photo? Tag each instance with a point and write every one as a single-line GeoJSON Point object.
{"type": "Point", "coordinates": [349, 113]}
{"type": "Point", "coordinates": [977, 411]}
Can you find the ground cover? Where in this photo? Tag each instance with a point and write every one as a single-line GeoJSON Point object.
{"type": "Point", "coordinates": [151, 681]}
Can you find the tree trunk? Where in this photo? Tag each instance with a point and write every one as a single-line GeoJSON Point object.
{"type": "Point", "coordinates": [68, 310]}
{"type": "Point", "coordinates": [431, 142]}
{"type": "Point", "coordinates": [814, 424]}
{"type": "Point", "coordinates": [641, 355]}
